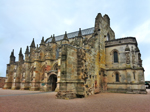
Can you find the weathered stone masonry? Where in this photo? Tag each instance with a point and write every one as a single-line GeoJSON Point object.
{"type": "Point", "coordinates": [79, 64]}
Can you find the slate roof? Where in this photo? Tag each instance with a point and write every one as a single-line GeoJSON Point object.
{"type": "Point", "coordinates": [73, 34]}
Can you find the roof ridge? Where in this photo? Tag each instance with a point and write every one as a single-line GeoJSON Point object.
{"type": "Point", "coordinates": [71, 34]}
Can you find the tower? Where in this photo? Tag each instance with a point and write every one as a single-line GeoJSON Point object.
{"type": "Point", "coordinates": [12, 57]}
{"type": "Point", "coordinates": [65, 39]}
{"type": "Point", "coordinates": [79, 39]}
{"type": "Point", "coordinates": [32, 49]}
{"type": "Point", "coordinates": [27, 54]}
{"type": "Point", "coordinates": [20, 56]}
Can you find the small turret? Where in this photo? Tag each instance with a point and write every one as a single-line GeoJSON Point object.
{"type": "Point", "coordinates": [27, 50]}
{"type": "Point", "coordinates": [65, 39]}
{"type": "Point", "coordinates": [42, 42]}
{"type": "Point", "coordinates": [65, 36]}
{"type": "Point", "coordinates": [20, 55]}
{"type": "Point", "coordinates": [53, 39]}
{"type": "Point", "coordinates": [12, 53]}
{"type": "Point", "coordinates": [33, 44]}
{"type": "Point", "coordinates": [80, 33]}
{"type": "Point", "coordinates": [79, 39]}
{"type": "Point", "coordinates": [32, 49]}
{"type": "Point", "coordinates": [27, 56]}
{"type": "Point", "coordinates": [12, 57]}
{"type": "Point", "coordinates": [37, 49]}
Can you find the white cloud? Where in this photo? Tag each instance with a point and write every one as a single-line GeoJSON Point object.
{"type": "Point", "coordinates": [68, 21]}
{"type": "Point", "coordinates": [142, 32]}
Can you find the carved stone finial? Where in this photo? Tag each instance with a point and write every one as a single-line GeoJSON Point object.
{"type": "Point", "coordinates": [80, 33]}
{"type": "Point", "coordinates": [42, 41]}
{"type": "Point", "coordinates": [53, 39]}
{"type": "Point", "coordinates": [12, 53]}
{"type": "Point", "coordinates": [20, 53]}
{"type": "Point", "coordinates": [65, 36]}
{"type": "Point", "coordinates": [27, 50]}
{"type": "Point", "coordinates": [33, 43]}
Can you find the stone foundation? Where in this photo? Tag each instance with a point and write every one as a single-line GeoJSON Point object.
{"type": "Point", "coordinates": [66, 95]}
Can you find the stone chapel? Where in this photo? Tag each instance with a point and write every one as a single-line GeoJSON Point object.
{"type": "Point", "coordinates": [79, 64]}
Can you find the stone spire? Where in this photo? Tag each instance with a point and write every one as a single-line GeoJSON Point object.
{"type": "Point", "coordinates": [20, 53]}
{"type": "Point", "coordinates": [27, 50]}
{"type": "Point", "coordinates": [51, 36]}
{"type": "Point", "coordinates": [80, 33]}
{"type": "Point", "coordinates": [33, 43]}
{"type": "Point", "coordinates": [42, 41]}
{"type": "Point", "coordinates": [53, 39]}
{"type": "Point", "coordinates": [12, 53]}
{"type": "Point", "coordinates": [65, 39]}
{"type": "Point", "coordinates": [12, 57]}
{"type": "Point", "coordinates": [65, 36]}
{"type": "Point", "coordinates": [37, 49]}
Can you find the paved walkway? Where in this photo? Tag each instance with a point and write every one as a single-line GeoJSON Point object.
{"type": "Point", "coordinates": [19, 92]}
{"type": "Point", "coordinates": [36, 101]}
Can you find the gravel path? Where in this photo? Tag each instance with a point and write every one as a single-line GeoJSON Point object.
{"type": "Point", "coordinates": [36, 101]}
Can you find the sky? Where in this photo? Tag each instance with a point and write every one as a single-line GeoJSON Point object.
{"type": "Point", "coordinates": [23, 20]}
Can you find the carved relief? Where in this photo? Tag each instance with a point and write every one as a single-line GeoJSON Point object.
{"type": "Point", "coordinates": [133, 58]}
{"type": "Point", "coordinates": [127, 58]}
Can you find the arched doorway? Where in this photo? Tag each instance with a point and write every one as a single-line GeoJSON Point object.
{"type": "Point", "coordinates": [53, 81]}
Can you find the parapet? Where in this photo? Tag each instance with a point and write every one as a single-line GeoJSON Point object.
{"type": "Point", "coordinates": [121, 41]}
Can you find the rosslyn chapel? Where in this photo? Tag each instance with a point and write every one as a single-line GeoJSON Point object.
{"type": "Point", "coordinates": [79, 64]}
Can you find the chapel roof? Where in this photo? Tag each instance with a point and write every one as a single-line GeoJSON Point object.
{"type": "Point", "coordinates": [87, 31]}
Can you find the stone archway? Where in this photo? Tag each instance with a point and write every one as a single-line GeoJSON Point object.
{"type": "Point", "coordinates": [53, 81]}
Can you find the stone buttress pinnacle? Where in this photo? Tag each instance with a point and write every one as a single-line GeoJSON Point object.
{"type": "Point", "coordinates": [33, 43]}
{"type": "Point", "coordinates": [27, 50]}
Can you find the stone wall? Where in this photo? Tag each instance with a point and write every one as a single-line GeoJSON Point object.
{"type": "Point", "coordinates": [2, 81]}
{"type": "Point", "coordinates": [128, 68]}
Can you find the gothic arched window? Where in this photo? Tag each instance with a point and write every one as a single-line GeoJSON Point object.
{"type": "Point", "coordinates": [115, 57]}
{"type": "Point", "coordinates": [117, 77]}
{"type": "Point", "coordinates": [108, 37]}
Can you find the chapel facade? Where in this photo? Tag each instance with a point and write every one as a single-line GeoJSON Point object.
{"type": "Point", "coordinates": [79, 64]}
